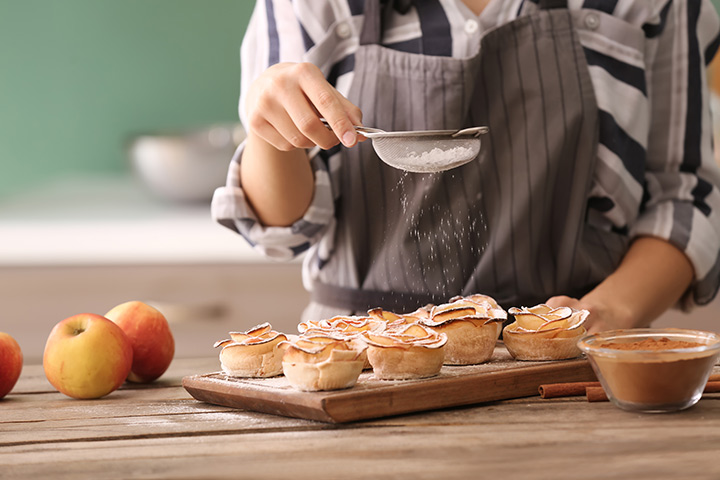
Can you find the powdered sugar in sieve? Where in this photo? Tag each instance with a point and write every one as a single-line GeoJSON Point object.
{"type": "Point", "coordinates": [426, 154]}
{"type": "Point", "coordinates": [424, 151]}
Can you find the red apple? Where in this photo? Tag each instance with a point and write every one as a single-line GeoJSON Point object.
{"type": "Point", "coordinates": [87, 356]}
{"type": "Point", "coordinates": [149, 333]}
{"type": "Point", "coordinates": [11, 361]}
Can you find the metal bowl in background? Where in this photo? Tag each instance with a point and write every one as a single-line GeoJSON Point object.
{"type": "Point", "coordinates": [185, 167]}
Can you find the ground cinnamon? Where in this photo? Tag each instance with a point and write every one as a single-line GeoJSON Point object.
{"type": "Point", "coordinates": [637, 381]}
{"type": "Point", "coordinates": [597, 394]}
{"type": "Point", "coordinates": [663, 343]}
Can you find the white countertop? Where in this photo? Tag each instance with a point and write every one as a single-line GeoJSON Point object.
{"type": "Point", "coordinates": [111, 220]}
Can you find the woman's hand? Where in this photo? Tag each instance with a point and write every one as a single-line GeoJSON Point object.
{"type": "Point", "coordinates": [284, 104]}
{"type": "Point", "coordinates": [602, 316]}
{"type": "Point", "coordinates": [283, 107]}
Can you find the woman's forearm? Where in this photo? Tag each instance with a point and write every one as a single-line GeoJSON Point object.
{"type": "Point", "coordinates": [278, 184]}
{"type": "Point", "coordinates": [651, 278]}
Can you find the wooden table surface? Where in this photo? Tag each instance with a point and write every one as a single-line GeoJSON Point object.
{"type": "Point", "coordinates": [160, 431]}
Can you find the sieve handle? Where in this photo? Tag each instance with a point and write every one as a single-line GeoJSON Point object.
{"type": "Point", "coordinates": [377, 133]}
{"type": "Point", "coordinates": [473, 131]}
{"type": "Point", "coordinates": [358, 128]}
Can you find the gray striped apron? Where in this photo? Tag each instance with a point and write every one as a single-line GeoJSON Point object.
{"type": "Point", "coordinates": [510, 224]}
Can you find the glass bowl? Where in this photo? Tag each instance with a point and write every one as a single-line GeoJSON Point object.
{"type": "Point", "coordinates": [657, 375]}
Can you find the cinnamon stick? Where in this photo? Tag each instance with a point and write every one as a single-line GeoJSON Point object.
{"type": "Point", "coordinates": [712, 387]}
{"type": "Point", "coordinates": [577, 389]}
{"type": "Point", "coordinates": [595, 394]}
{"type": "Point", "coordinates": [570, 389]}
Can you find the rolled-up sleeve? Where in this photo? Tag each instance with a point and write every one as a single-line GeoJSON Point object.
{"type": "Point", "coordinates": [231, 209]}
{"type": "Point", "coordinates": [274, 34]}
{"type": "Point", "coordinates": [681, 193]}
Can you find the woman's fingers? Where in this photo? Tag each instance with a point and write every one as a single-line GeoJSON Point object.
{"type": "Point", "coordinates": [279, 130]}
{"type": "Point", "coordinates": [329, 104]}
{"type": "Point", "coordinates": [563, 301]}
{"type": "Point", "coordinates": [354, 114]}
{"type": "Point", "coordinates": [285, 103]}
{"type": "Point", "coordinates": [597, 320]}
{"type": "Point", "coordinates": [307, 122]}
{"type": "Point", "coordinates": [353, 111]}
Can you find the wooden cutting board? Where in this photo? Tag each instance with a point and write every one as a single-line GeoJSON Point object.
{"type": "Point", "coordinates": [500, 379]}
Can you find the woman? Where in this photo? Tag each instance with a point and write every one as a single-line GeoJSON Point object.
{"type": "Point", "coordinates": [595, 188]}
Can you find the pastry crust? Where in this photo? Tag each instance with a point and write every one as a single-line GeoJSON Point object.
{"type": "Point", "coordinates": [311, 377]}
{"type": "Point", "coordinates": [470, 341]}
{"type": "Point", "coordinates": [315, 363]}
{"type": "Point", "coordinates": [543, 333]}
{"type": "Point", "coordinates": [252, 353]}
{"type": "Point", "coordinates": [409, 351]}
{"type": "Point", "coordinates": [345, 328]}
{"type": "Point", "coordinates": [472, 325]}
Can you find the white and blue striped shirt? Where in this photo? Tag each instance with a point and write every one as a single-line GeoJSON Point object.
{"type": "Point", "coordinates": [655, 172]}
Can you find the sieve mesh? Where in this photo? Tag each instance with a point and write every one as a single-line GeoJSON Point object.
{"type": "Point", "coordinates": [426, 154]}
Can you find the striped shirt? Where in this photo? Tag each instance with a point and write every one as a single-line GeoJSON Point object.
{"type": "Point", "coordinates": [655, 172]}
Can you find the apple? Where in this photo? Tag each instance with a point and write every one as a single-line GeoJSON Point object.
{"type": "Point", "coordinates": [149, 333]}
{"type": "Point", "coordinates": [87, 356]}
{"type": "Point", "coordinates": [11, 361]}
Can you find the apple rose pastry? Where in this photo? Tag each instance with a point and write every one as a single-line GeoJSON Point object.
{"type": "Point", "coordinates": [472, 328]}
{"type": "Point", "coordinates": [315, 363]}
{"type": "Point", "coordinates": [341, 323]}
{"type": "Point", "coordinates": [343, 328]}
{"type": "Point", "coordinates": [392, 320]}
{"type": "Point", "coordinates": [478, 298]}
{"type": "Point", "coordinates": [544, 333]}
{"type": "Point", "coordinates": [405, 352]}
{"type": "Point", "coordinates": [339, 335]}
{"type": "Point", "coordinates": [253, 353]}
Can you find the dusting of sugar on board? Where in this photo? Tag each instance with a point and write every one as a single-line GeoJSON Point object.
{"type": "Point", "coordinates": [499, 379]}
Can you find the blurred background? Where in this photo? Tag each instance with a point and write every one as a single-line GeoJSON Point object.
{"type": "Point", "coordinates": [80, 78]}
{"type": "Point", "coordinates": [117, 121]}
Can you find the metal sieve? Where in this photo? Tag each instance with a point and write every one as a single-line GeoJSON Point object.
{"type": "Point", "coordinates": [424, 151]}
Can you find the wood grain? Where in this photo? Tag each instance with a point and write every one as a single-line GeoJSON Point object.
{"type": "Point", "coordinates": [160, 431]}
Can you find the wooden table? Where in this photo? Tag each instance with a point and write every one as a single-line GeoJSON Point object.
{"type": "Point", "coordinates": [160, 431]}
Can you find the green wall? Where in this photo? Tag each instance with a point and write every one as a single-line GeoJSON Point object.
{"type": "Point", "coordinates": [79, 77]}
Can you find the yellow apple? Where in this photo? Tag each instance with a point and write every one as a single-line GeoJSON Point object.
{"type": "Point", "coordinates": [149, 333]}
{"type": "Point", "coordinates": [11, 361]}
{"type": "Point", "coordinates": [87, 356]}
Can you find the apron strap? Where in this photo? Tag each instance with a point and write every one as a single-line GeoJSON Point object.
{"type": "Point", "coordinates": [360, 301]}
{"type": "Point", "coordinates": [548, 4]}
{"type": "Point", "coordinates": [373, 18]}
{"type": "Point", "coordinates": [372, 23]}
